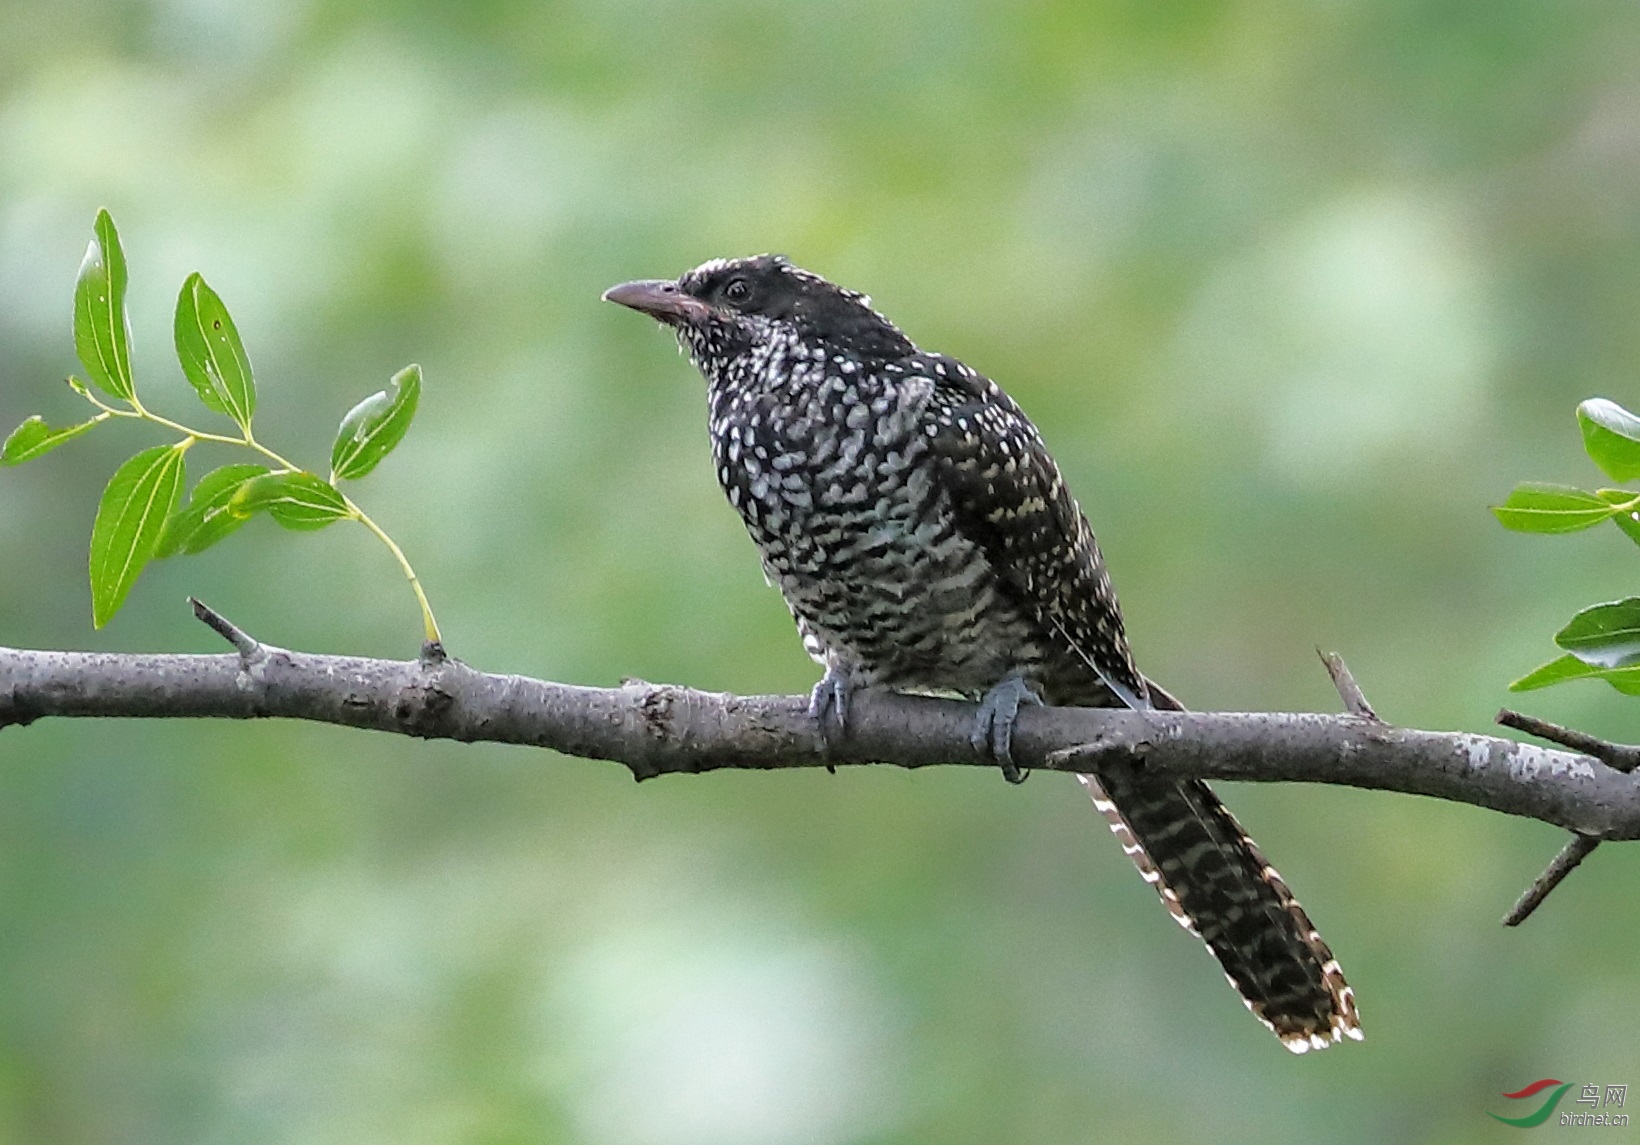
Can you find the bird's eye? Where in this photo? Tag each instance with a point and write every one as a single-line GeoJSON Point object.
{"type": "Point", "coordinates": [738, 290]}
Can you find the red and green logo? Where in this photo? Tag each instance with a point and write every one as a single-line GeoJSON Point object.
{"type": "Point", "coordinates": [1543, 1111]}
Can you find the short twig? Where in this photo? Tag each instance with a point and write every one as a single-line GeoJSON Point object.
{"type": "Point", "coordinates": [1617, 756]}
{"type": "Point", "coordinates": [227, 629]}
{"type": "Point", "coordinates": [1564, 864]}
{"type": "Point", "coordinates": [1066, 756]}
{"type": "Point", "coordinates": [1355, 701]}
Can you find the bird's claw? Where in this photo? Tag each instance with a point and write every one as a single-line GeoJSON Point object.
{"type": "Point", "coordinates": [993, 732]}
{"type": "Point", "coordinates": [831, 696]}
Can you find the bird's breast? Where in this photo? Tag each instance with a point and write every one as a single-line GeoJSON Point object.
{"type": "Point", "coordinates": [838, 490]}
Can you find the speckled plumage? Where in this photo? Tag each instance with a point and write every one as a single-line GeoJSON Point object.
{"type": "Point", "coordinates": [924, 540]}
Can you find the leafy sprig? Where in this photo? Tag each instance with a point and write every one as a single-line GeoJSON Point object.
{"type": "Point", "coordinates": [1602, 642]}
{"type": "Point", "coordinates": [142, 515]}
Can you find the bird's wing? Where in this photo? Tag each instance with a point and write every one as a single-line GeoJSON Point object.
{"type": "Point", "coordinates": [1010, 499]}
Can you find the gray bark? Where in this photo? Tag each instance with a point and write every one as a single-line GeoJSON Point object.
{"type": "Point", "coordinates": [660, 729]}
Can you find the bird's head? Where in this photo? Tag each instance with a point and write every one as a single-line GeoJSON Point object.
{"type": "Point", "coordinates": [730, 310]}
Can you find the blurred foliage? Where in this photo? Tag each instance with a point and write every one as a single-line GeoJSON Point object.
{"type": "Point", "coordinates": [1294, 291]}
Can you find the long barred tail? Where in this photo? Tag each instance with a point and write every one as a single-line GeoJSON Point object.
{"type": "Point", "coordinates": [1218, 885]}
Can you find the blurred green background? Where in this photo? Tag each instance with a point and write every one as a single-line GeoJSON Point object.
{"type": "Point", "coordinates": [1294, 291]}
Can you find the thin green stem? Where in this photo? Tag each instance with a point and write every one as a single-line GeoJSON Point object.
{"type": "Point", "coordinates": [142, 411]}
{"type": "Point", "coordinates": [104, 406]}
{"type": "Point", "coordinates": [138, 410]}
{"type": "Point", "coordinates": [428, 623]}
{"type": "Point", "coordinates": [268, 453]}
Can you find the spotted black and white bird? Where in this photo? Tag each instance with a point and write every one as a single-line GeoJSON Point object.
{"type": "Point", "coordinates": [925, 540]}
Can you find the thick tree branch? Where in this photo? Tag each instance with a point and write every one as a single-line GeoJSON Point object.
{"type": "Point", "coordinates": [659, 729]}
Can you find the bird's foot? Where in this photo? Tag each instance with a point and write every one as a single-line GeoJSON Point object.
{"type": "Point", "coordinates": [831, 696]}
{"type": "Point", "coordinates": [994, 726]}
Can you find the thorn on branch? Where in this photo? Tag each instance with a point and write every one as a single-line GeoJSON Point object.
{"type": "Point", "coordinates": [1095, 753]}
{"type": "Point", "coordinates": [247, 647]}
{"type": "Point", "coordinates": [1355, 701]}
{"type": "Point", "coordinates": [433, 654]}
{"type": "Point", "coordinates": [1564, 864]}
{"type": "Point", "coordinates": [1067, 757]}
{"type": "Point", "coordinates": [1617, 756]}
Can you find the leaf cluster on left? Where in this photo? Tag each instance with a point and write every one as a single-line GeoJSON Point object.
{"type": "Point", "coordinates": [142, 514]}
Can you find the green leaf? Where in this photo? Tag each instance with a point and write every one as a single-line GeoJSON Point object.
{"type": "Point", "coordinates": [1536, 507]}
{"type": "Point", "coordinates": [130, 518]}
{"type": "Point", "coordinates": [296, 500]}
{"type": "Point", "coordinates": [35, 437]}
{"type": "Point", "coordinates": [373, 427]}
{"type": "Point", "coordinates": [1569, 667]}
{"type": "Point", "coordinates": [1557, 671]}
{"type": "Point", "coordinates": [211, 353]}
{"type": "Point", "coordinates": [205, 520]}
{"type": "Point", "coordinates": [102, 331]}
{"type": "Point", "coordinates": [1627, 516]}
{"type": "Point", "coordinates": [1611, 437]}
{"type": "Point", "coordinates": [1605, 635]}
{"type": "Point", "coordinates": [1630, 524]}
{"type": "Point", "coordinates": [1602, 642]}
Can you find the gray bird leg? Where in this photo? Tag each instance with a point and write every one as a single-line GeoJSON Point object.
{"type": "Point", "coordinates": [831, 695]}
{"type": "Point", "coordinates": [994, 726]}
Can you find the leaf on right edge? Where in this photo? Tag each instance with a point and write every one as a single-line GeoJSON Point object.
{"type": "Point", "coordinates": [1538, 507]}
{"type": "Point", "coordinates": [102, 330]}
{"type": "Point", "coordinates": [1611, 437]}
{"type": "Point", "coordinates": [1569, 667]}
{"type": "Point", "coordinates": [1625, 680]}
{"type": "Point", "coordinates": [205, 519]}
{"type": "Point", "coordinates": [298, 501]}
{"type": "Point", "coordinates": [1626, 518]}
{"type": "Point", "coordinates": [130, 517]}
{"type": "Point", "coordinates": [34, 437]}
{"type": "Point", "coordinates": [1605, 635]}
{"type": "Point", "coordinates": [373, 427]}
{"type": "Point", "coordinates": [211, 353]}
{"type": "Point", "coordinates": [1557, 671]}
